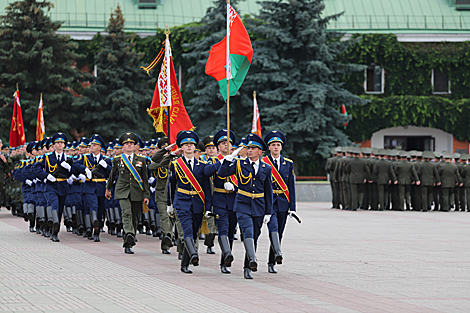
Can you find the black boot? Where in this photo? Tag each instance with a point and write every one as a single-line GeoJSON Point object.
{"type": "Point", "coordinates": [80, 223]}
{"type": "Point", "coordinates": [49, 216]}
{"type": "Point", "coordinates": [271, 268]}
{"type": "Point", "coordinates": [41, 215]}
{"type": "Point", "coordinates": [118, 231]}
{"type": "Point", "coordinates": [247, 273]}
{"type": "Point", "coordinates": [112, 219]}
{"type": "Point", "coordinates": [56, 221]}
{"type": "Point", "coordinates": [276, 246]}
{"type": "Point", "coordinates": [250, 253]}
{"type": "Point", "coordinates": [25, 213]}
{"type": "Point", "coordinates": [94, 220]}
{"type": "Point", "coordinates": [96, 235]}
{"type": "Point", "coordinates": [69, 222]}
{"type": "Point", "coordinates": [55, 237]}
{"type": "Point", "coordinates": [190, 246]}
{"type": "Point", "coordinates": [185, 262]}
{"type": "Point", "coordinates": [88, 228]}
{"type": "Point", "coordinates": [227, 257]}
{"type": "Point", "coordinates": [153, 223]}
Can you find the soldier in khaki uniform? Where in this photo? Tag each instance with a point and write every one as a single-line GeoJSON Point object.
{"type": "Point", "coordinates": [405, 172]}
{"type": "Point", "coordinates": [383, 170]}
{"type": "Point", "coordinates": [448, 173]}
{"type": "Point", "coordinates": [330, 169]}
{"type": "Point", "coordinates": [429, 178]}
{"type": "Point", "coordinates": [466, 181]}
{"type": "Point", "coordinates": [131, 189]}
{"type": "Point", "coordinates": [359, 174]}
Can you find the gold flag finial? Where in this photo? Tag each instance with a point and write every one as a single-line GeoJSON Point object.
{"type": "Point", "coordinates": [41, 96]}
{"type": "Point", "coordinates": [167, 32]}
{"type": "Point", "coordinates": [17, 87]}
{"type": "Point", "coordinates": [254, 94]}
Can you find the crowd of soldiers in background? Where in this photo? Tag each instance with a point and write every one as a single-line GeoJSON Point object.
{"type": "Point", "coordinates": [380, 179]}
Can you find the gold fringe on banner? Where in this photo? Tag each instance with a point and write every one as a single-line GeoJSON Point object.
{"type": "Point", "coordinates": [204, 227]}
{"type": "Point", "coordinates": [155, 61]}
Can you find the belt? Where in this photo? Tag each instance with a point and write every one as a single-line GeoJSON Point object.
{"type": "Point", "coordinates": [187, 192]}
{"type": "Point", "coordinates": [97, 180]}
{"type": "Point", "coordinates": [61, 179]}
{"type": "Point", "coordinates": [222, 190]}
{"type": "Point", "coordinates": [277, 192]}
{"type": "Point", "coordinates": [250, 195]}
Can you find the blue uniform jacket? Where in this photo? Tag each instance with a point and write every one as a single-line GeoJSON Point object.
{"type": "Point", "coordinates": [183, 201]}
{"type": "Point", "coordinates": [95, 185]}
{"type": "Point", "coordinates": [286, 170]}
{"type": "Point", "coordinates": [219, 199]}
{"type": "Point", "coordinates": [50, 165]}
{"type": "Point", "coordinates": [252, 184]}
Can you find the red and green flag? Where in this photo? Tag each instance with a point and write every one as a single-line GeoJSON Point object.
{"type": "Point", "coordinates": [345, 113]}
{"type": "Point", "coordinates": [231, 58]}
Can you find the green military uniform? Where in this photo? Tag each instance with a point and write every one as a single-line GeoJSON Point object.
{"type": "Point", "coordinates": [385, 175]}
{"type": "Point", "coordinates": [429, 177]}
{"type": "Point", "coordinates": [406, 173]}
{"type": "Point", "coordinates": [330, 169]}
{"type": "Point", "coordinates": [465, 173]}
{"type": "Point", "coordinates": [160, 166]}
{"type": "Point", "coordinates": [449, 174]}
{"type": "Point", "coordinates": [5, 168]}
{"type": "Point", "coordinates": [128, 191]}
{"type": "Point", "coordinates": [359, 173]}
{"type": "Point", "coordinates": [459, 190]}
{"type": "Point", "coordinates": [16, 196]}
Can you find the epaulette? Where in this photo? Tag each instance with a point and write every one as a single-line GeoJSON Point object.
{"type": "Point", "coordinates": [48, 153]}
{"type": "Point", "coordinates": [288, 160]}
{"type": "Point", "coordinates": [203, 162]}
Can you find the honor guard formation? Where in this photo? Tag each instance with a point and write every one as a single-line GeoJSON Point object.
{"type": "Point", "coordinates": [380, 179]}
{"type": "Point", "coordinates": [178, 194]}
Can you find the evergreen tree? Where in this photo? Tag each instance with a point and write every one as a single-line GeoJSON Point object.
{"type": "Point", "coordinates": [206, 107]}
{"type": "Point", "coordinates": [39, 60]}
{"type": "Point", "coordinates": [298, 76]}
{"type": "Point", "coordinates": [122, 92]}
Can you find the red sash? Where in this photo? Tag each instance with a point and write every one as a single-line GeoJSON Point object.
{"type": "Point", "coordinates": [233, 178]}
{"type": "Point", "coordinates": [277, 178]}
{"type": "Point", "coordinates": [190, 176]}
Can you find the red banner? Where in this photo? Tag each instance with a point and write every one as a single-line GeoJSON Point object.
{"type": "Point", "coordinates": [40, 127]}
{"type": "Point", "coordinates": [179, 118]}
{"type": "Point", "coordinates": [17, 137]}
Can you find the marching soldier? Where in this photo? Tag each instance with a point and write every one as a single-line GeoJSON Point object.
{"type": "Point", "coordinates": [129, 174]}
{"type": "Point", "coordinates": [254, 199]}
{"type": "Point", "coordinates": [189, 194]}
{"type": "Point", "coordinates": [284, 203]}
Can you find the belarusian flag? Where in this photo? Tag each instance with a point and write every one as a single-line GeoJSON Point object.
{"type": "Point", "coordinates": [345, 113]}
{"type": "Point", "coordinates": [40, 127]}
{"type": "Point", "coordinates": [233, 63]}
{"type": "Point", "coordinates": [256, 125]}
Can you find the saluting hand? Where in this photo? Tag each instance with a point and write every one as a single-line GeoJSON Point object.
{"type": "Point", "coordinates": [146, 201]}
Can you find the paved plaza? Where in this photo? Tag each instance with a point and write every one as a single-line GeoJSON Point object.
{"type": "Point", "coordinates": [335, 261]}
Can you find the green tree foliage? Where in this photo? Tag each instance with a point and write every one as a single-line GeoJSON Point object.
{"type": "Point", "coordinates": [449, 115]}
{"type": "Point", "coordinates": [122, 92]}
{"type": "Point", "coordinates": [39, 60]}
{"type": "Point", "coordinates": [297, 73]}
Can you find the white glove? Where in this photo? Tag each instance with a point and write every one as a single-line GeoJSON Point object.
{"type": "Point", "coordinates": [82, 177]}
{"type": "Point", "coordinates": [290, 213]}
{"type": "Point", "coordinates": [152, 189]}
{"type": "Point", "coordinates": [51, 178]}
{"type": "Point", "coordinates": [207, 214]}
{"type": "Point", "coordinates": [229, 186]}
{"type": "Point", "coordinates": [169, 209]}
{"type": "Point", "coordinates": [29, 182]}
{"type": "Point", "coordinates": [88, 173]}
{"type": "Point", "coordinates": [103, 163]}
{"type": "Point", "coordinates": [70, 180]}
{"type": "Point", "coordinates": [229, 158]}
{"type": "Point", "coordinates": [45, 180]}
{"type": "Point", "coordinates": [66, 165]}
{"type": "Point", "coordinates": [73, 177]}
{"type": "Point", "coordinates": [266, 219]}
{"type": "Point", "coordinates": [151, 180]}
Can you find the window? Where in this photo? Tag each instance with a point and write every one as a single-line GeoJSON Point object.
{"type": "Point", "coordinates": [374, 79]}
{"type": "Point", "coordinates": [440, 82]}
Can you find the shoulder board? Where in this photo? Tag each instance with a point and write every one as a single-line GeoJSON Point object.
{"type": "Point", "coordinates": [48, 153]}
{"type": "Point", "coordinates": [203, 162]}
{"type": "Point", "coordinates": [288, 160]}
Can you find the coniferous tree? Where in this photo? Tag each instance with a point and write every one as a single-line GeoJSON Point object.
{"type": "Point", "coordinates": [206, 107]}
{"type": "Point", "coordinates": [39, 60]}
{"type": "Point", "coordinates": [297, 74]}
{"type": "Point", "coordinates": [122, 92]}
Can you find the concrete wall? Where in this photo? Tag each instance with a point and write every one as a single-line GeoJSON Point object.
{"type": "Point", "coordinates": [313, 192]}
{"type": "Point", "coordinates": [443, 140]}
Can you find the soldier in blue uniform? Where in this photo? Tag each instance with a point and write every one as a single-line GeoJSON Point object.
{"type": "Point", "coordinates": [54, 169]}
{"type": "Point", "coordinates": [223, 199]}
{"type": "Point", "coordinates": [254, 199]}
{"type": "Point", "coordinates": [190, 195]}
{"type": "Point", "coordinates": [97, 168]}
{"type": "Point", "coordinates": [283, 194]}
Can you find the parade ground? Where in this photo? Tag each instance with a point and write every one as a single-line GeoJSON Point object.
{"type": "Point", "coordinates": [334, 261]}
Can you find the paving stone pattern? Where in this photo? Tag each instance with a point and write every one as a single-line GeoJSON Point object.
{"type": "Point", "coordinates": [335, 261]}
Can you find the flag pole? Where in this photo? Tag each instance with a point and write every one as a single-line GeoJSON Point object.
{"type": "Point", "coordinates": [227, 76]}
{"type": "Point", "coordinates": [167, 33]}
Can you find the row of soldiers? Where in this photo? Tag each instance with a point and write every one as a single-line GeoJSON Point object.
{"type": "Point", "coordinates": [381, 179]}
{"type": "Point", "coordinates": [57, 177]}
